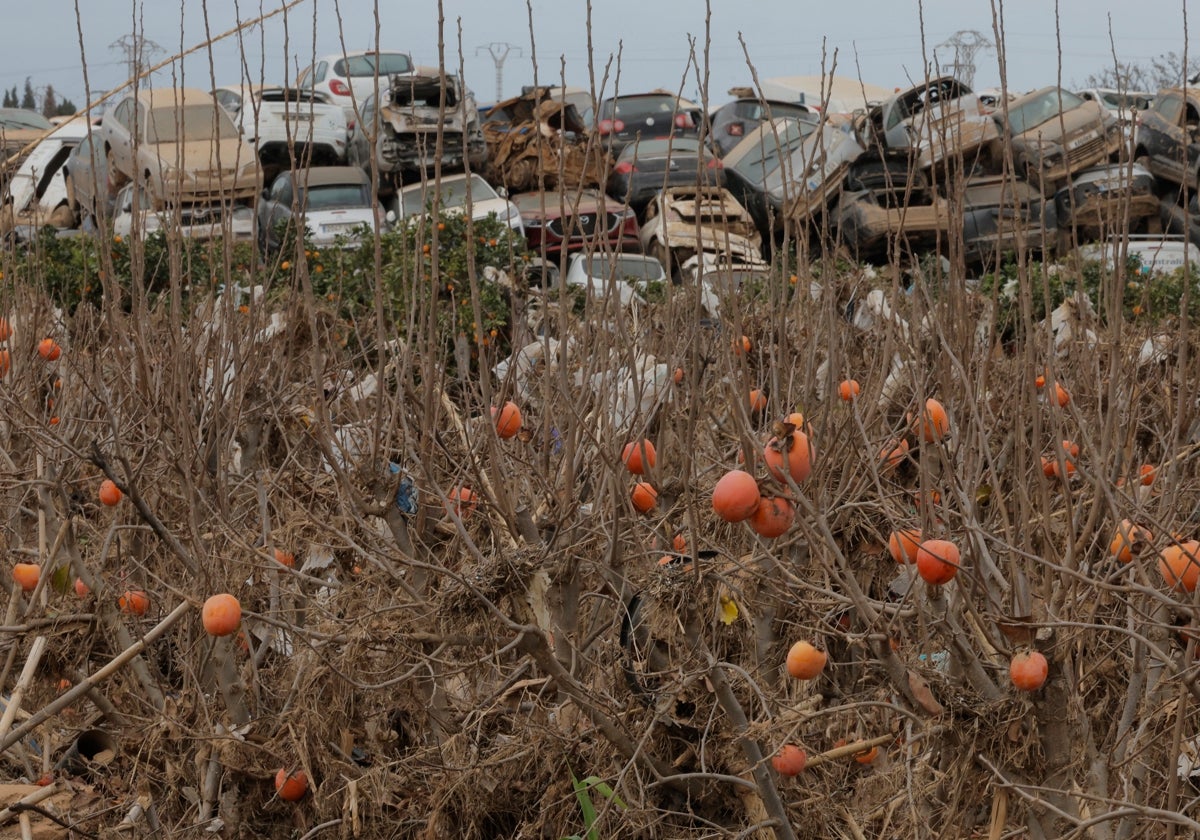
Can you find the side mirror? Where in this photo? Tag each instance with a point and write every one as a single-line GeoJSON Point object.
{"type": "Point", "coordinates": [502, 192]}
{"type": "Point", "coordinates": [391, 217]}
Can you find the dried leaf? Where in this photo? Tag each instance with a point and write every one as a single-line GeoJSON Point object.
{"type": "Point", "coordinates": [728, 611]}
{"type": "Point", "coordinates": [921, 693]}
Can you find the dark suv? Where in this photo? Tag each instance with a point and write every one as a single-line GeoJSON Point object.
{"type": "Point", "coordinates": [1168, 137]}
{"type": "Point", "coordinates": [622, 120]}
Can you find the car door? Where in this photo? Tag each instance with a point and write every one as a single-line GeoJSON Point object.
{"type": "Point", "coordinates": [118, 131]}
{"type": "Point", "coordinates": [276, 209]}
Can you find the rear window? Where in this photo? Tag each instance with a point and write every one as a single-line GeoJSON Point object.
{"type": "Point", "coordinates": [329, 196]}
{"type": "Point", "coordinates": [190, 122]}
{"type": "Point", "coordinates": [360, 66]}
{"type": "Point", "coordinates": [678, 147]}
{"type": "Point", "coordinates": [637, 108]}
{"type": "Point", "coordinates": [625, 268]}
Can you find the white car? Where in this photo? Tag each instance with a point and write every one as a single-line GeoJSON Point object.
{"type": "Point", "coordinates": [286, 124]}
{"type": "Point", "coordinates": [335, 203]}
{"type": "Point", "coordinates": [603, 274]}
{"type": "Point", "coordinates": [415, 200]}
{"type": "Point", "coordinates": [39, 186]}
{"type": "Point", "coordinates": [349, 79]}
{"type": "Point", "coordinates": [234, 222]}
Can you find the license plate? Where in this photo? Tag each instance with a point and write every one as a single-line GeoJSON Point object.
{"type": "Point", "coordinates": [337, 228]}
{"type": "Point", "coordinates": [1075, 144]}
{"type": "Point", "coordinates": [300, 117]}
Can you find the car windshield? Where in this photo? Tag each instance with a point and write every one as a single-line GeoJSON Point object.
{"type": "Point", "coordinates": [360, 66]}
{"type": "Point", "coordinates": [1040, 109]}
{"type": "Point", "coordinates": [330, 196]}
{"type": "Point", "coordinates": [624, 267]}
{"type": "Point", "coordinates": [19, 118]}
{"type": "Point", "coordinates": [765, 153]}
{"type": "Point", "coordinates": [190, 122]}
{"type": "Point", "coordinates": [679, 147]}
{"type": "Point", "coordinates": [754, 109]}
{"type": "Point", "coordinates": [452, 194]}
{"type": "Point", "coordinates": [1117, 101]}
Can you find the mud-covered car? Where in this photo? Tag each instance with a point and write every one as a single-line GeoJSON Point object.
{"type": "Point", "coordinates": [1114, 195]}
{"type": "Point", "coordinates": [682, 222]}
{"type": "Point", "coordinates": [181, 145]}
{"type": "Point", "coordinates": [576, 221]}
{"type": "Point", "coordinates": [930, 123]}
{"type": "Point", "coordinates": [1168, 137]}
{"type": "Point", "coordinates": [401, 129]}
{"type": "Point", "coordinates": [330, 204]}
{"type": "Point", "coordinates": [1002, 215]}
{"type": "Point", "coordinates": [452, 193]}
{"type": "Point", "coordinates": [1056, 134]}
{"type": "Point", "coordinates": [628, 118]}
{"type": "Point", "coordinates": [871, 230]}
{"type": "Point", "coordinates": [86, 174]}
{"type": "Point", "coordinates": [135, 212]}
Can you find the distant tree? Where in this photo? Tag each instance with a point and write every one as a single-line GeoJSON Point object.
{"type": "Point", "coordinates": [66, 108]}
{"type": "Point", "coordinates": [28, 98]}
{"type": "Point", "coordinates": [11, 100]}
{"type": "Point", "coordinates": [49, 102]}
{"type": "Point", "coordinates": [1163, 71]}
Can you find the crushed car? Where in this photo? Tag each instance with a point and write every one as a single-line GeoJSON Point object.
{"type": "Point", "coordinates": [1168, 137]}
{"type": "Point", "coordinates": [734, 120]}
{"type": "Point", "coordinates": [136, 213]}
{"type": "Point", "coordinates": [1104, 198]}
{"type": "Point", "coordinates": [38, 192]}
{"type": "Point", "coordinates": [1056, 134]}
{"type": "Point", "coordinates": [682, 222]}
{"type": "Point", "coordinates": [872, 230]}
{"type": "Point", "coordinates": [182, 145]}
{"type": "Point", "coordinates": [420, 119]}
{"type": "Point", "coordinates": [932, 123]}
{"type": "Point", "coordinates": [1003, 215]}
{"type": "Point", "coordinates": [540, 135]}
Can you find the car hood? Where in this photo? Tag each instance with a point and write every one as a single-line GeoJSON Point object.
{"type": "Point", "coordinates": [201, 156]}
{"type": "Point", "coordinates": [340, 215]}
{"type": "Point", "coordinates": [1087, 116]}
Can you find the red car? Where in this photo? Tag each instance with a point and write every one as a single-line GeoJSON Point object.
{"type": "Point", "coordinates": [576, 221]}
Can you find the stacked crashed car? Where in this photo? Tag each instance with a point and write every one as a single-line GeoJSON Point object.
{"type": "Point", "coordinates": [1055, 134]}
{"type": "Point", "coordinates": [135, 213]}
{"type": "Point", "coordinates": [332, 203]}
{"type": "Point", "coordinates": [734, 120]}
{"type": "Point", "coordinates": [347, 80]}
{"type": "Point", "coordinates": [621, 120]}
{"type": "Point", "coordinates": [452, 193]}
{"type": "Point", "coordinates": [181, 145]}
{"type": "Point", "coordinates": [647, 166]}
{"type": "Point", "coordinates": [86, 173]}
{"type": "Point", "coordinates": [576, 220]}
{"type": "Point", "coordinates": [1168, 138]}
{"type": "Point", "coordinates": [287, 124]}
{"type": "Point", "coordinates": [625, 275]}
{"type": "Point", "coordinates": [682, 222]}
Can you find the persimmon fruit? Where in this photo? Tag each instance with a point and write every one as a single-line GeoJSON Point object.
{"type": "Point", "coordinates": [222, 615]}
{"type": "Point", "coordinates": [805, 660]}
{"type": "Point", "coordinates": [1028, 670]}
{"type": "Point", "coordinates": [110, 493]}
{"type": "Point", "coordinates": [790, 760]}
{"type": "Point", "coordinates": [937, 561]}
{"type": "Point", "coordinates": [508, 419]}
{"type": "Point", "coordinates": [644, 497]}
{"type": "Point", "coordinates": [849, 390]}
{"type": "Point", "coordinates": [1127, 537]}
{"type": "Point", "coordinates": [773, 516]}
{"type": "Point", "coordinates": [639, 456]}
{"type": "Point", "coordinates": [133, 602]}
{"type": "Point", "coordinates": [793, 453]}
{"type": "Point", "coordinates": [1179, 564]}
{"type": "Point", "coordinates": [736, 496]}
{"type": "Point", "coordinates": [904, 544]}
{"type": "Point", "coordinates": [49, 350]}
{"type": "Point", "coordinates": [26, 576]}
{"type": "Point", "coordinates": [291, 787]}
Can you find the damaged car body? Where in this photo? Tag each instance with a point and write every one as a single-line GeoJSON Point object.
{"type": "Point", "coordinates": [536, 134]}
{"type": "Point", "coordinates": [420, 119]}
{"type": "Point", "coordinates": [682, 222]}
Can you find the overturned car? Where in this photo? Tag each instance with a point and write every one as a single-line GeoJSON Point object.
{"type": "Point", "coordinates": [537, 135]}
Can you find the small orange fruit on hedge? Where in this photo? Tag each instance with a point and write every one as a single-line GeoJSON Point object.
{"type": "Point", "coordinates": [741, 346]}
{"type": "Point", "coordinates": [937, 561]}
{"type": "Point", "coordinates": [5, 363]}
{"type": "Point", "coordinates": [291, 787]}
{"type": "Point", "coordinates": [5, 330]}
{"type": "Point", "coordinates": [790, 760]}
{"type": "Point", "coordinates": [893, 455]}
{"type": "Point", "coordinates": [679, 543]}
{"type": "Point", "coordinates": [133, 602]}
{"type": "Point", "coordinates": [1028, 670]}
{"type": "Point", "coordinates": [1061, 395]}
{"type": "Point", "coordinates": [110, 493]}
{"type": "Point", "coordinates": [867, 756]}
{"type": "Point", "coordinates": [82, 590]}
{"type": "Point", "coordinates": [638, 456]}
{"type": "Point", "coordinates": [285, 558]}
{"type": "Point", "coordinates": [736, 496]}
{"type": "Point", "coordinates": [463, 500]}
{"type": "Point", "coordinates": [508, 419]}
{"type": "Point", "coordinates": [793, 453]}
{"type": "Point", "coordinates": [1127, 537]}
{"type": "Point", "coordinates": [757, 401]}
{"type": "Point", "coordinates": [1147, 473]}
{"type": "Point", "coordinates": [1179, 564]}
{"type": "Point", "coordinates": [805, 660]}
{"type": "Point", "coordinates": [849, 390]}
{"type": "Point", "coordinates": [222, 615]}
{"type": "Point", "coordinates": [773, 516]}
{"type": "Point", "coordinates": [644, 497]}
{"type": "Point", "coordinates": [49, 350]}
{"type": "Point", "coordinates": [26, 576]}
{"type": "Point", "coordinates": [903, 545]}
{"type": "Point", "coordinates": [935, 423]}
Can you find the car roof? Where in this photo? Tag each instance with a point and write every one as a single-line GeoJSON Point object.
{"type": "Point", "coordinates": [173, 97]}
{"type": "Point", "coordinates": [320, 175]}
{"type": "Point", "coordinates": [355, 53]}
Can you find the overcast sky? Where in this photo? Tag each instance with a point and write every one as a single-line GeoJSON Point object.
{"type": "Point", "coordinates": [879, 40]}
